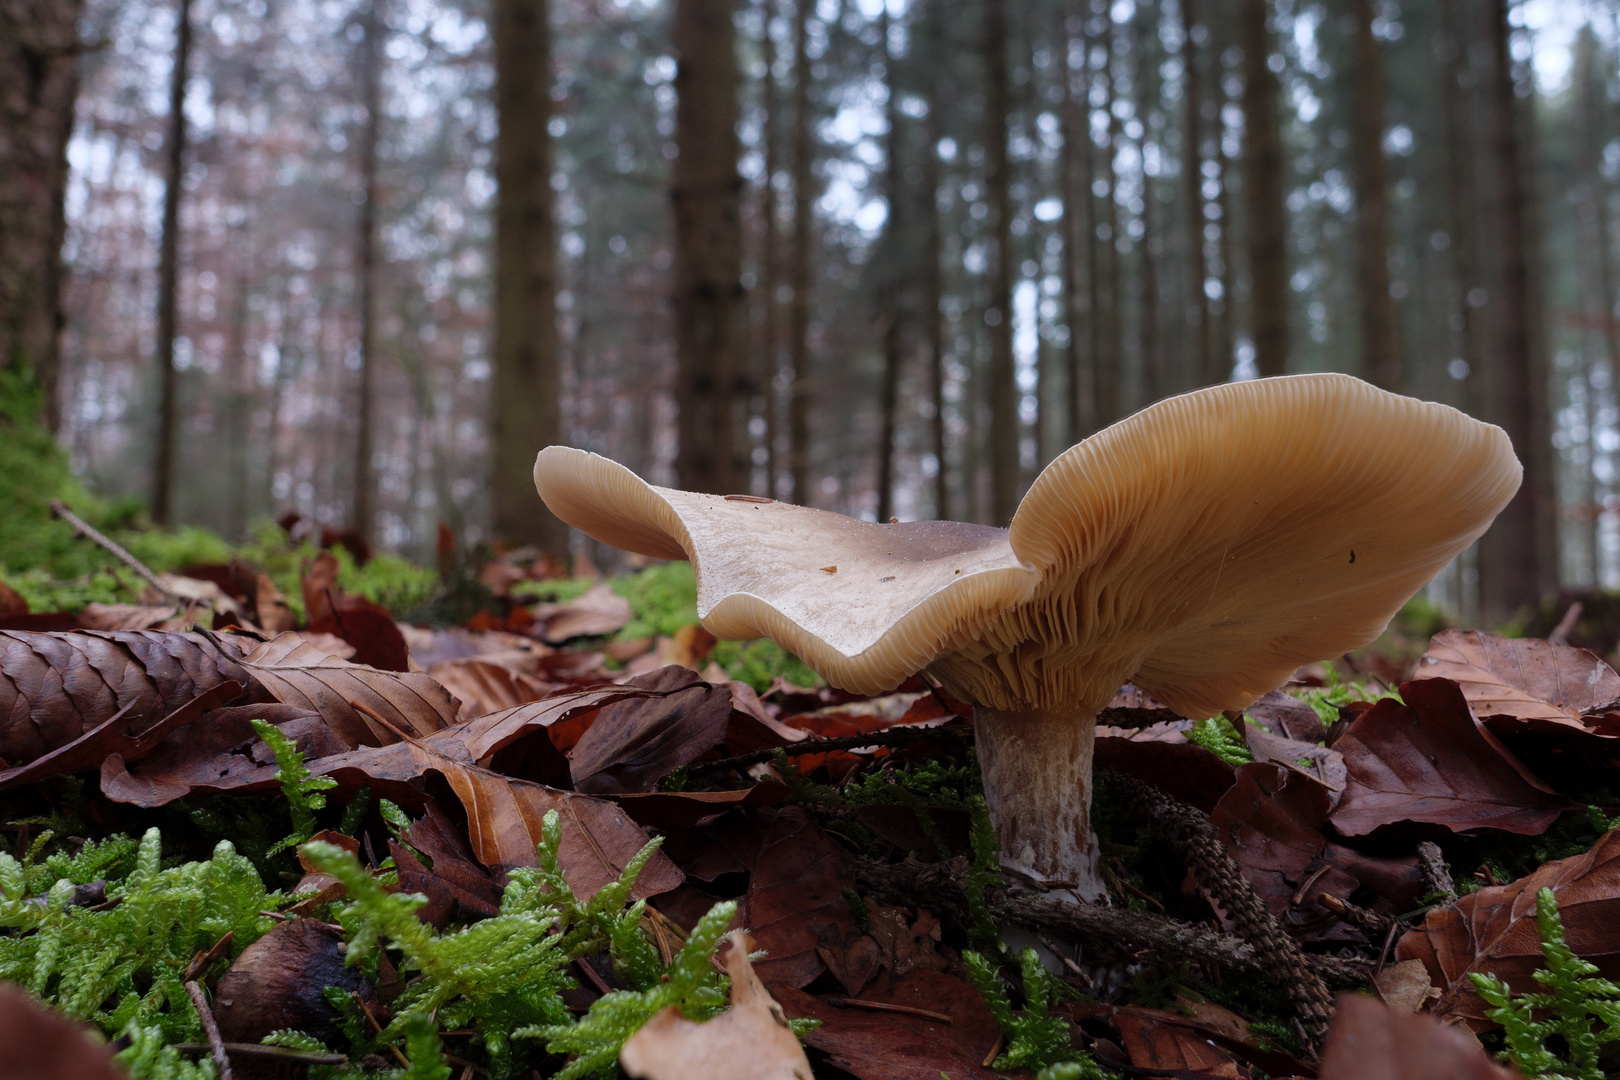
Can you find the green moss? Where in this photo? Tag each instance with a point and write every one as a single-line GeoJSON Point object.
{"type": "Point", "coordinates": [760, 662]}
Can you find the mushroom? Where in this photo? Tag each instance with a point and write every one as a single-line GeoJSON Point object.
{"type": "Point", "coordinates": [1203, 549]}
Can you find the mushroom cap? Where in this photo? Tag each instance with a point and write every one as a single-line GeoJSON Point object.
{"type": "Point", "coordinates": [1204, 548]}
{"type": "Point", "coordinates": [863, 604]}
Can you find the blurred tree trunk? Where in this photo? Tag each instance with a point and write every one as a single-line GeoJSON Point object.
{"type": "Point", "coordinates": [770, 258]}
{"type": "Point", "coordinates": [707, 192]}
{"type": "Point", "coordinates": [527, 385]}
{"type": "Point", "coordinates": [365, 474]}
{"type": "Point", "coordinates": [1591, 136]}
{"type": "Point", "coordinates": [1462, 213]}
{"type": "Point", "coordinates": [894, 254]}
{"type": "Point", "coordinates": [1381, 361]}
{"type": "Point", "coordinates": [1155, 380]}
{"type": "Point", "coordinates": [1004, 474]}
{"type": "Point", "coordinates": [237, 377]}
{"type": "Point", "coordinates": [933, 281]}
{"type": "Point", "coordinates": [1110, 319]}
{"type": "Point", "coordinates": [39, 81]}
{"type": "Point", "coordinates": [1225, 327]}
{"type": "Point", "coordinates": [799, 267]}
{"type": "Point", "coordinates": [169, 273]}
{"type": "Point", "coordinates": [1199, 330]}
{"type": "Point", "coordinates": [1263, 191]}
{"type": "Point", "coordinates": [1074, 188]}
{"type": "Point", "coordinates": [1510, 553]}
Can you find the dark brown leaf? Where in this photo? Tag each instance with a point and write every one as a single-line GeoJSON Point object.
{"type": "Point", "coordinates": [371, 630]}
{"type": "Point", "coordinates": [665, 810]}
{"type": "Point", "coordinates": [1494, 930]}
{"type": "Point", "coordinates": [795, 891]}
{"type": "Point", "coordinates": [296, 673]}
{"type": "Point", "coordinates": [895, 1046]}
{"type": "Point", "coordinates": [1161, 755]}
{"type": "Point", "coordinates": [126, 616]}
{"type": "Point", "coordinates": [1370, 1042]}
{"type": "Point", "coordinates": [1425, 761]}
{"type": "Point", "coordinates": [278, 981]}
{"type": "Point", "coordinates": [475, 893]}
{"type": "Point", "coordinates": [39, 1043]}
{"type": "Point", "coordinates": [11, 602]}
{"type": "Point", "coordinates": [55, 687]}
{"type": "Point", "coordinates": [484, 687]}
{"type": "Point", "coordinates": [634, 744]}
{"type": "Point", "coordinates": [1154, 1044]}
{"type": "Point", "coordinates": [1283, 714]}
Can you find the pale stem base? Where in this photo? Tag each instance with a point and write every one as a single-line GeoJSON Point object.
{"type": "Point", "coordinates": [1037, 782]}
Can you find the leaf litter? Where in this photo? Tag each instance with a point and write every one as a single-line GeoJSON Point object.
{"type": "Point", "coordinates": [478, 741]}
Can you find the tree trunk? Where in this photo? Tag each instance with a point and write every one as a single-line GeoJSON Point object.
{"type": "Point", "coordinates": [527, 386]}
{"type": "Point", "coordinates": [799, 269]}
{"type": "Point", "coordinates": [1462, 216]}
{"type": "Point", "coordinates": [708, 245]}
{"type": "Point", "coordinates": [933, 285]}
{"type": "Point", "coordinates": [1074, 188]}
{"type": "Point", "coordinates": [1510, 553]}
{"type": "Point", "coordinates": [1225, 350]}
{"type": "Point", "coordinates": [365, 482]}
{"type": "Point", "coordinates": [1380, 343]}
{"type": "Point", "coordinates": [1591, 137]}
{"type": "Point", "coordinates": [39, 81]}
{"type": "Point", "coordinates": [1004, 473]}
{"type": "Point", "coordinates": [1199, 330]}
{"type": "Point", "coordinates": [1110, 318]}
{"type": "Point", "coordinates": [168, 275]}
{"type": "Point", "coordinates": [1155, 380]}
{"type": "Point", "coordinates": [1263, 191]}
{"type": "Point", "coordinates": [889, 301]}
{"type": "Point", "coordinates": [770, 269]}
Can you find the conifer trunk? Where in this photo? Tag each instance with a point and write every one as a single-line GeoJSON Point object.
{"type": "Point", "coordinates": [708, 245]}
{"type": "Point", "coordinates": [1074, 183]}
{"type": "Point", "coordinates": [1263, 192]}
{"type": "Point", "coordinates": [1381, 361]}
{"type": "Point", "coordinates": [889, 300]}
{"type": "Point", "coordinates": [371, 88]}
{"type": "Point", "coordinates": [39, 81]}
{"type": "Point", "coordinates": [799, 265]}
{"type": "Point", "coordinates": [527, 386]}
{"type": "Point", "coordinates": [1111, 351]}
{"type": "Point", "coordinates": [770, 258]}
{"type": "Point", "coordinates": [1199, 330]}
{"type": "Point", "coordinates": [169, 275]}
{"type": "Point", "coordinates": [933, 285]}
{"type": "Point", "coordinates": [1003, 388]}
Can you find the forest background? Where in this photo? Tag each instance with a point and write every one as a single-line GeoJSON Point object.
{"type": "Point", "coordinates": [360, 259]}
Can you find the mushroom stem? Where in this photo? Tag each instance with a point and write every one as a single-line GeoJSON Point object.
{"type": "Point", "coordinates": [1037, 782]}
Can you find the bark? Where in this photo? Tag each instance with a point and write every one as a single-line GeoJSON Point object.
{"type": "Point", "coordinates": [168, 275]}
{"type": "Point", "coordinates": [1226, 318]}
{"type": "Point", "coordinates": [1263, 192]}
{"type": "Point", "coordinates": [799, 268]}
{"type": "Point", "coordinates": [365, 482]}
{"type": "Point", "coordinates": [1381, 361]}
{"type": "Point", "coordinates": [1590, 137]}
{"type": "Point", "coordinates": [770, 258]}
{"type": "Point", "coordinates": [1110, 321]}
{"type": "Point", "coordinates": [933, 283]}
{"type": "Point", "coordinates": [1510, 553]}
{"type": "Point", "coordinates": [1003, 388]}
{"type": "Point", "coordinates": [1199, 330]}
{"type": "Point", "coordinates": [707, 193]}
{"type": "Point", "coordinates": [1155, 380]}
{"type": "Point", "coordinates": [1461, 209]}
{"type": "Point", "coordinates": [527, 386]}
{"type": "Point", "coordinates": [1074, 182]}
{"type": "Point", "coordinates": [238, 403]}
{"type": "Point", "coordinates": [890, 297]}
{"type": "Point", "coordinates": [39, 81]}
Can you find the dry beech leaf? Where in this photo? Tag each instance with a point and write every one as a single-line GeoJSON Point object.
{"type": "Point", "coordinates": [1368, 1041]}
{"type": "Point", "coordinates": [485, 687]}
{"type": "Point", "coordinates": [1161, 755]}
{"type": "Point", "coordinates": [296, 673]}
{"type": "Point", "coordinates": [634, 744]}
{"type": "Point", "coordinates": [1153, 1044]}
{"type": "Point", "coordinates": [1404, 986]}
{"type": "Point", "coordinates": [56, 686]}
{"type": "Point", "coordinates": [1493, 931]}
{"type": "Point", "coordinates": [1548, 687]}
{"type": "Point", "coordinates": [1426, 761]}
{"type": "Point", "coordinates": [599, 610]}
{"type": "Point", "coordinates": [126, 616]}
{"type": "Point", "coordinates": [39, 1043]}
{"type": "Point", "coordinates": [796, 889]}
{"type": "Point", "coordinates": [750, 1041]}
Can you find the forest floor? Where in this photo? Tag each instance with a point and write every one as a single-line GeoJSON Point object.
{"type": "Point", "coordinates": [490, 821]}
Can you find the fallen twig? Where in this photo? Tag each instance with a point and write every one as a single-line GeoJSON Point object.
{"type": "Point", "coordinates": [109, 545]}
{"type": "Point", "coordinates": [274, 1053]}
{"type": "Point", "coordinates": [216, 1045]}
{"type": "Point", "coordinates": [895, 736]}
{"type": "Point", "coordinates": [884, 1006]}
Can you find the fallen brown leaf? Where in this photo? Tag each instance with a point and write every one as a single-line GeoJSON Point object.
{"type": "Point", "coordinates": [126, 616]}
{"type": "Point", "coordinates": [1153, 1044]}
{"type": "Point", "coordinates": [1426, 761]}
{"type": "Point", "coordinates": [39, 1043]}
{"type": "Point", "coordinates": [1369, 1041]}
{"type": "Point", "coordinates": [56, 686]}
{"type": "Point", "coordinates": [1547, 687]}
{"type": "Point", "coordinates": [11, 602]}
{"type": "Point", "coordinates": [795, 890]}
{"type": "Point", "coordinates": [599, 610]}
{"type": "Point", "coordinates": [1161, 755]}
{"type": "Point", "coordinates": [483, 686]}
{"type": "Point", "coordinates": [1494, 931]}
{"type": "Point", "coordinates": [296, 673]}
{"type": "Point", "coordinates": [1404, 986]}
{"type": "Point", "coordinates": [750, 1041]}
{"type": "Point", "coordinates": [278, 982]}
{"type": "Point", "coordinates": [634, 744]}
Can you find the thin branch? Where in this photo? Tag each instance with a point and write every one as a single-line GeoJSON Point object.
{"type": "Point", "coordinates": [216, 1045]}
{"type": "Point", "coordinates": [112, 547]}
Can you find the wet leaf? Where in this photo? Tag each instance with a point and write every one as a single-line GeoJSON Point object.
{"type": "Point", "coordinates": [1494, 930]}
{"type": "Point", "coordinates": [1369, 1041]}
{"type": "Point", "coordinates": [634, 744]}
{"type": "Point", "coordinates": [278, 981]}
{"type": "Point", "coordinates": [796, 889]}
{"type": "Point", "coordinates": [1153, 1044]}
{"type": "Point", "coordinates": [1545, 686]}
{"type": "Point", "coordinates": [1161, 755]}
{"type": "Point", "coordinates": [750, 1041]}
{"type": "Point", "coordinates": [1425, 761]}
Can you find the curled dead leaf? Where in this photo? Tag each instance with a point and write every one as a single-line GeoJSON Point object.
{"type": "Point", "coordinates": [39, 1043]}
{"type": "Point", "coordinates": [750, 1041]}
{"type": "Point", "coordinates": [1369, 1041]}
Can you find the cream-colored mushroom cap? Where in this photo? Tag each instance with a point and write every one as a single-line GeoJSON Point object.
{"type": "Point", "coordinates": [863, 604]}
{"type": "Point", "coordinates": [1204, 548]}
